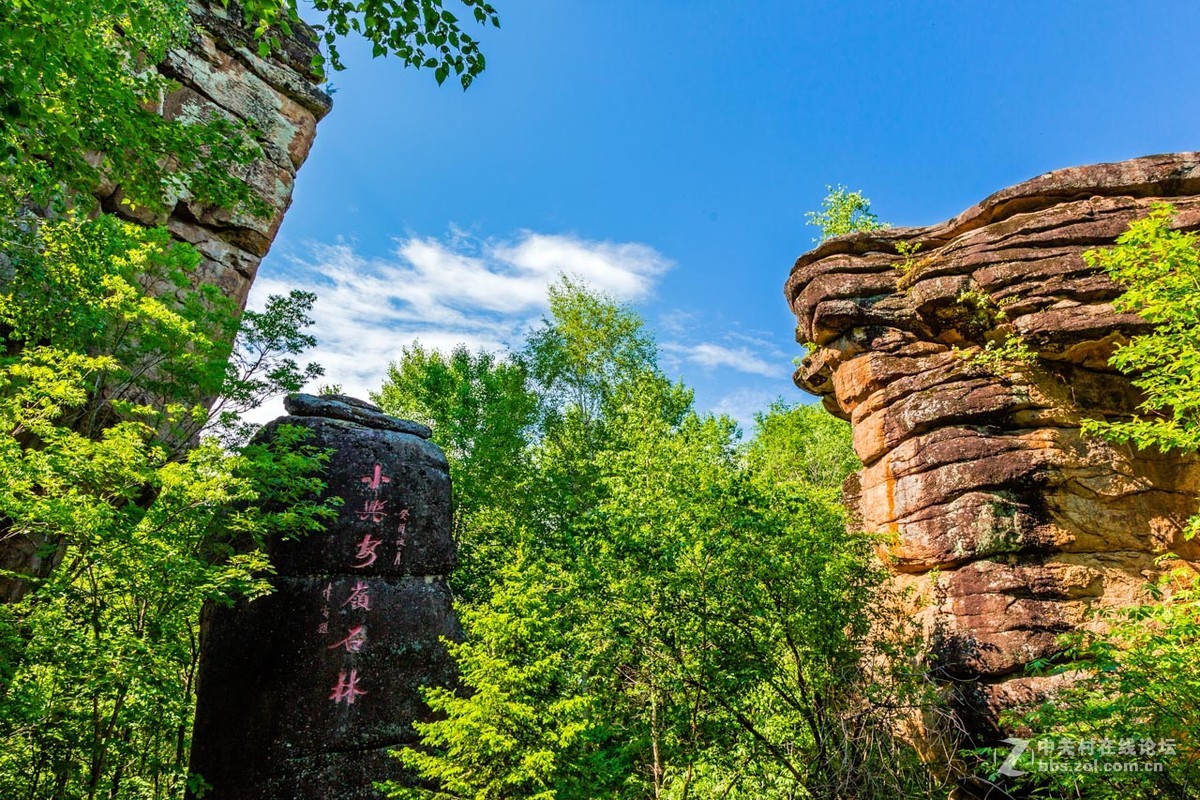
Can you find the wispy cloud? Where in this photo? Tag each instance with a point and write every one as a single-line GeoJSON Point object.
{"type": "Point", "coordinates": [759, 339]}
{"type": "Point", "coordinates": [677, 322]}
{"type": "Point", "coordinates": [710, 355]}
{"type": "Point", "coordinates": [742, 404]}
{"type": "Point", "coordinates": [443, 292]}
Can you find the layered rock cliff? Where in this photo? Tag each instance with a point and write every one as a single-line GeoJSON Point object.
{"type": "Point", "coordinates": [1006, 521]}
{"type": "Point", "coordinates": [221, 74]}
{"type": "Point", "coordinates": [281, 100]}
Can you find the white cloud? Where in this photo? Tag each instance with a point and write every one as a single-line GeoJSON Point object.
{"type": "Point", "coordinates": [677, 322]}
{"type": "Point", "coordinates": [446, 292]}
{"type": "Point", "coordinates": [759, 339]}
{"type": "Point", "coordinates": [711, 356]}
{"type": "Point", "coordinates": [742, 404]}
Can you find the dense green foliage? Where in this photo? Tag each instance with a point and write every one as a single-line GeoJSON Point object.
{"type": "Point", "coordinates": [843, 211]}
{"type": "Point", "coordinates": [80, 95]}
{"type": "Point", "coordinates": [421, 33]}
{"type": "Point", "coordinates": [1136, 682]}
{"type": "Point", "coordinates": [652, 610]}
{"type": "Point", "coordinates": [101, 392]}
{"type": "Point", "coordinates": [482, 410]}
{"type": "Point", "coordinates": [802, 445]}
{"type": "Point", "coordinates": [121, 513]}
{"type": "Point", "coordinates": [1160, 270]}
{"type": "Point", "coordinates": [79, 103]}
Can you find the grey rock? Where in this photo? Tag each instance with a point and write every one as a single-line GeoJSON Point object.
{"type": "Point", "coordinates": [303, 692]}
{"type": "Point", "coordinates": [337, 406]}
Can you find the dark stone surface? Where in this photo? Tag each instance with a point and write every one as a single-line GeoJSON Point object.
{"type": "Point", "coordinates": [336, 406]}
{"type": "Point", "coordinates": [408, 514]}
{"type": "Point", "coordinates": [303, 692]}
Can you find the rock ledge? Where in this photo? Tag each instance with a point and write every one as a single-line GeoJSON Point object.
{"type": "Point", "coordinates": [1009, 524]}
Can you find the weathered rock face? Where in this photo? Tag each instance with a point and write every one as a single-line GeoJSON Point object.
{"type": "Point", "coordinates": [1006, 521]}
{"type": "Point", "coordinates": [221, 74]}
{"type": "Point", "coordinates": [302, 693]}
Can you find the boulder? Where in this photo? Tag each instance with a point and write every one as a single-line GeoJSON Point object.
{"type": "Point", "coordinates": [303, 692]}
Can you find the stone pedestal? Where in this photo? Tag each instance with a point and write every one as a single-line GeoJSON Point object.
{"type": "Point", "coordinates": [303, 692]}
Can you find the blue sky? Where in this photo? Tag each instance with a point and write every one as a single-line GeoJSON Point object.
{"type": "Point", "coordinates": [667, 152]}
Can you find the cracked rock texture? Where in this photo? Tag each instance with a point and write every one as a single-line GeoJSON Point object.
{"type": "Point", "coordinates": [303, 693]}
{"type": "Point", "coordinates": [221, 74]}
{"type": "Point", "coordinates": [281, 100]}
{"type": "Point", "coordinates": [1005, 521]}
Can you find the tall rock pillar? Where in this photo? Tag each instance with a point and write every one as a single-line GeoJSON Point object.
{"type": "Point", "coordinates": [303, 693]}
{"type": "Point", "coordinates": [1008, 523]}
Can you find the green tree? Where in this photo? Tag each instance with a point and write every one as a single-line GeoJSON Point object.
{"type": "Point", "coordinates": [115, 369]}
{"type": "Point", "coordinates": [421, 33]}
{"type": "Point", "coordinates": [79, 104]}
{"type": "Point", "coordinates": [480, 411]}
{"type": "Point", "coordinates": [827, 456]}
{"type": "Point", "coordinates": [842, 212]}
{"type": "Point", "coordinates": [101, 391]}
{"type": "Point", "coordinates": [1134, 679]}
{"type": "Point", "coordinates": [1159, 268]}
{"type": "Point", "coordinates": [671, 622]}
{"type": "Point", "coordinates": [1134, 682]}
{"type": "Point", "coordinates": [482, 414]}
{"type": "Point", "coordinates": [584, 353]}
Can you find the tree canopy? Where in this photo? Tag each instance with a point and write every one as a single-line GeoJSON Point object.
{"type": "Point", "coordinates": [652, 609]}
{"type": "Point", "coordinates": [423, 34]}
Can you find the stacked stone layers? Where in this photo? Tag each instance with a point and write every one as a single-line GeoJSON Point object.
{"type": "Point", "coordinates": [303, 693]}
{"type": "Point", "coordinates": [221, 74]}
{"type": "Point", "coordinates": [1008, 523]}
{"type": "Point", "coordinates": [278, 97]}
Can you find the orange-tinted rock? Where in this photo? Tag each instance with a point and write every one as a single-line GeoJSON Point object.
{"type": "Point", "coordinates": [221, 74]}
{"type": "Point", "coordinates": [1009, 523]}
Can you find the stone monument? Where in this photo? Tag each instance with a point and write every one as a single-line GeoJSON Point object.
{"type": "Point", "coordinates": [303, 692]}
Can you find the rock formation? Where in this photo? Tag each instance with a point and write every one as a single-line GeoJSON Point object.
{"type": "Point", "coordinates": [279, 97]}
{"type": "Point", "coordinates": [1007, 523]}
{"type": "Point", "coordinates": [281, 100]}
{"type": "Point", "coordinates": [303, 693]}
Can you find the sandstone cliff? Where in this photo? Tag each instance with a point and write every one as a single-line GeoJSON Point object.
{"type": "Point", "coordinates": [280, 99]}
{"type": "Point", "coordinates": [1006, 522]}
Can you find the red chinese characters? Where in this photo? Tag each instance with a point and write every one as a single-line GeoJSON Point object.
{"type": "Point", "coordinates": [375, 480]}
{"type": "Point", "coordinates": [326, 594]}
{"type": "Point", "coordinates": [372, 510]}
{"type": "Point", "coordinates": [359, 597]}
{"type": "Point", "coordinates": [366, 551]}
{"type": "Point", "coordinates": [346, 689]}
{"type": "Point", "coordinates": [401, 536]}
{"type": "Point", "coordinates": [354, 641]}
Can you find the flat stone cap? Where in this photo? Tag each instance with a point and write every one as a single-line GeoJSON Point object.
{"type": "Point", "coordinates": [351, 409]}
